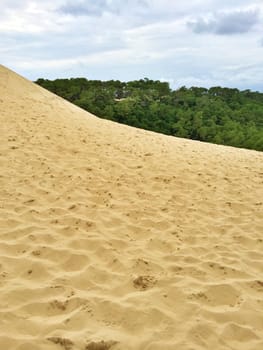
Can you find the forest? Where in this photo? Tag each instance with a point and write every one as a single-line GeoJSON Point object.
{"type": "Point", "coordinates": [219, 115]}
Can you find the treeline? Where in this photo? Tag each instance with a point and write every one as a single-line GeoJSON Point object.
{"type": "Point", "coordinates": [218, 115]}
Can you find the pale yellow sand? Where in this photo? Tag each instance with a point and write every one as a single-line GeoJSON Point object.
{"type": "Point", "coordinates": [118, 238]}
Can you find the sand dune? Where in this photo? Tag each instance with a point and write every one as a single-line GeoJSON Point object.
{"type": "Point", "coordinates": [117, 238]}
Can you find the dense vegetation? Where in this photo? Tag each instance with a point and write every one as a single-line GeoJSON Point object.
{"type": "Point", "coordinates": [219, 115]}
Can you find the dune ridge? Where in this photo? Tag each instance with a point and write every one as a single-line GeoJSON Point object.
{"type": "Point", "coordinates": [117, 238]}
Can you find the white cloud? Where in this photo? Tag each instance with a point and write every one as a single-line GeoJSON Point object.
{"type": "Point", "coordinates": [130, 39]}
{"type": "Point", "coordinates": [32, 17]}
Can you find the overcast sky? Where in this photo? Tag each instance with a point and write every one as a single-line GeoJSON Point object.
{"type": "Point", "coordinates": [185, 42]}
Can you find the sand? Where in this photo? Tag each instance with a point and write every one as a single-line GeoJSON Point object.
{"type": "Point", "coordinates": [117, 238]}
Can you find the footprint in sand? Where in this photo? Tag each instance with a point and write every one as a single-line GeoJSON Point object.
{"type": "Point", "coordinates": [102, 345]}
{"type": "Point", "coordinates": [144, 282]}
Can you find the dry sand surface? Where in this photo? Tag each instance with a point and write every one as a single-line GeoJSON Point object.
{"type": "Point", "coordinates": [117, 238]}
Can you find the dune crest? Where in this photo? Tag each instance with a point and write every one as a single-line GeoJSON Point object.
{"type": "Point", "coordinates": [116, 238]}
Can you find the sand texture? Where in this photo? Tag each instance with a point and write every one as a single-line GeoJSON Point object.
{"type": "Point", "coordinates": [114, 238]}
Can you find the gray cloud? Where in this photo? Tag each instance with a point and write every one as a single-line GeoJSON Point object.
{"type": "Point", "coordinates": [235, 22]}
{"type": "Point", "coordinates": [84, 8]}
{"type": "Point", "coordinates": [98, 7]}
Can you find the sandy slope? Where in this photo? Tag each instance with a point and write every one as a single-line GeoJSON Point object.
{"type": "Point", "coordinates": [118, 238]}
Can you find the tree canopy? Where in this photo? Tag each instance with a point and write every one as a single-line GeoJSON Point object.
{"type": "Point", "coordinates": [218, 115]}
